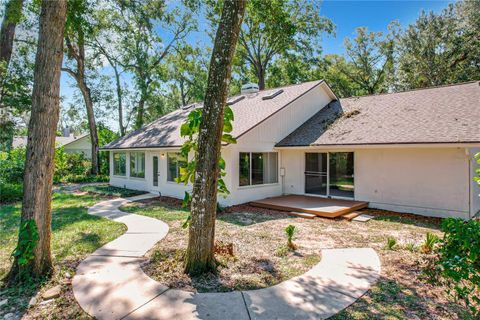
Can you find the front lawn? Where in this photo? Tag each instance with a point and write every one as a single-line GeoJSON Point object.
{"type": "Point", "coordinates": [261, 258]}
{"type": "Point", "coordinates": [75, 234]}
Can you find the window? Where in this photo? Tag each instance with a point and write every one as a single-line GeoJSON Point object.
{"type": "Point", "coordinates": [257, 168]}
{"type": "Point", "coordinates": [119, 163]}
{"type": "Point", "coordinates": [137, 164]}
{"type": "Point", "coordinates": [174, 162]}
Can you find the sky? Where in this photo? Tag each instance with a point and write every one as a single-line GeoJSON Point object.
{"type": "Point", "coordinates": [346, 15]}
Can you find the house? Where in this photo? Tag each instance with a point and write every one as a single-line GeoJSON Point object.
{"type": "Point", "coordinates": [70, 142]}
{"type": "Point", "coordinates": [409, 152]}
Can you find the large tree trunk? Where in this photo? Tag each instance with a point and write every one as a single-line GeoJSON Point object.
{"type": "Point", "coordinates": [39, 165]}
{"type": "Point", "coordinates": [13, 14]}
{"type": "Point", "coordinates": [200, 251]}
{"type": "Point", "coordinates": [78, 53]}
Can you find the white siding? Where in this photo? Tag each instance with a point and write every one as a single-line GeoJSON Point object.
{"type": "Point", "coordinates": [81, 145]}
{"type": "Point", "coordinates": [432, 182]}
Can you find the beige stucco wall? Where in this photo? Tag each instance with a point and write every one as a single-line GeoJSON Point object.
{"type": "Point", "coordinates": [423, 180]}
{"type": "Point", "coordinates": [429, 181]}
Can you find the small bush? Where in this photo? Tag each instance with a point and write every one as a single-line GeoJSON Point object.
{"type": "Point", "coordinates": [290, 232]}
{"type": "Point", "coordinates": [10, 192]}
{"type": "Point", "coordinates": [456, 262]}
{"type": "Point", "coordinates": [411, 246]}
{"type": "Point", "coordinates": [430, 241]}
{"type": "Point", "coordinates": [391, 243]}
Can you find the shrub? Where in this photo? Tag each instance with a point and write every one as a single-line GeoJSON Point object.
{"type": "Point", "coordinates": [456, 262]}
{"type": "Point", "coordinates": [10, 192]}
{"type": "Point", "coordinates": [290, 231]}
{"type": "Point", "coordinates": [411, 246]}
{"type": "Point", "coordinates": [430, 241]}
{"type": "Point", "coordinates": [391, 243]}
{"type": "Point", "coordinates": [12, 165]}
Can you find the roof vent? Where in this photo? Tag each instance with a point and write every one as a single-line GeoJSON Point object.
{"type": "Point", "coordinates": [234, 100]}
{"type": "Point", "coordinates": [272, 95]}
{"type": "Point", "coordinates": [250, 88]}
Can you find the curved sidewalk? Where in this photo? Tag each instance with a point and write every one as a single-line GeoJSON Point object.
{"type": "Point", "coordinates": [110, 283]}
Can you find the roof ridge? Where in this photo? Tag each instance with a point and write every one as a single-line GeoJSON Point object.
{"type": "Point", "coordinates": [416, 89]}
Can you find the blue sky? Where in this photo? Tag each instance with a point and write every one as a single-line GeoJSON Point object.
{"type": "Point", "coordinates": [375, 15]}
{"type": "Point", "coordinates": [346, 15]}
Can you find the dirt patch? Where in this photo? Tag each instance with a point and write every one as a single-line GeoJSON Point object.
{"type": "Point", "coordinates": [261, 258]}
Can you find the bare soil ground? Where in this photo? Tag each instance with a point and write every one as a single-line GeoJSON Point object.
{"type": "Point", "coordinates": [261, 258]}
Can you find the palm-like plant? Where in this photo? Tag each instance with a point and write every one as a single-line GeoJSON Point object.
{"type": "Point", "coordinates": [290, 231]}
{"type": "Point", "coordinates": [430, 240]}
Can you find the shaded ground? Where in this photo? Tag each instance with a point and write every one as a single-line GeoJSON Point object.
{"type": "Point", "coordinates": [261, 259]}
{"type": "Point", "coordinates": [75, 234]}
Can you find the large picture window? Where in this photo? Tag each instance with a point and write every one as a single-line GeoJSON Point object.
{"type": "Point", "coordinates": [119, 163]}
{"type": "Point", "coordinates": [137, 164]}
{"type": "Point", "coordinates": [257, 168]}
{"type": "Point", "coordinates": [174, 162]}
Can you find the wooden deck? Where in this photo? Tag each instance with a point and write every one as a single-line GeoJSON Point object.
{"type": "Point", "coordinates": [323, 207]}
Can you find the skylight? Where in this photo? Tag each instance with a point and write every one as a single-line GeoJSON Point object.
{"type": "Point", "coordinates": [272, 95]}
{"type": "Point", "coordinates": [234, 100]}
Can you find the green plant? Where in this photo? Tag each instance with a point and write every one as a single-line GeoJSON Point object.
{"type": "Point", "coordinates": [391, 243]}
{"type": "Point", "coordinates": [290, 232]}
{"type": "Point", "coordinates": [456, 263]}
{"type": "Point", "coordinates": [10, 192]}
{"type": "Point", "coordinates": [411, 246]}
{"type": "Point", "coordinates": [24, 252]}
{"type": "Point", "coordinates": [429, 243]}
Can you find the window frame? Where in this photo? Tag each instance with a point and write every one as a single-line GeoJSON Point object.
{"type": "Point", "coordinates": [115, 172]}
{"type": "Point", "coordinates": [266, 168]}
{"type": "Point", "coordinates": [178, 158]}
{"type": "Point", "coordinates": [134, 156]}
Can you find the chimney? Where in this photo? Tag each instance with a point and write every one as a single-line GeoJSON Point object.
{"type": "Point", "coordinates": [249, 88]}
{"type": "Point", "coordinates": [66, 132]}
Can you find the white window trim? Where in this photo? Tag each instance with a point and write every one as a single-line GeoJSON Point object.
{"type": "Point", "coordinates": [250, 171]}
{"type": "Point", "coordinates": [113, 160]}
{"type": "Point", "coordinates": [144, 166]}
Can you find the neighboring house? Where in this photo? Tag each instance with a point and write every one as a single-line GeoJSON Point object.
{"type": "Point", "coordinates": [70, 142]}
{"type": "Point", "coordinates": [408, 152]}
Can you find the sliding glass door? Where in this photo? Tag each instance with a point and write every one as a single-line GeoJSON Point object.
{"type": "Point", "coordinates": [329, 174]}
{"type": "Point", "coordinates": [316, 173]}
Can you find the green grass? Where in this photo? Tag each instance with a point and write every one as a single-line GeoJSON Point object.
{"type": "Point", "coordinates": [74, 232]}
{"type": "Point", "coordinates": [112, 191]}
{"type": "Point", "coordinates": [158, 211]}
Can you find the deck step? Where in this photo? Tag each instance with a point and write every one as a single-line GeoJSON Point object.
{"type": "Point", "coordinates": [351, 215]}
{"type": "Point", "coordinates": [303, 215]}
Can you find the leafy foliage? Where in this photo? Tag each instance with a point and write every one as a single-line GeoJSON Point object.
{"type": "Point", "coordinates": [27, 241]}
{"type": "Point", "coordinates": [391, 243]}
{"type": "Point", "coordinates": [290, 231]}
{"type": "Point", "coordinates": [190, 129]}
{"type": "Point", "coordinates": [456, 263]}
{"type": "Point", "coordinates": [430, 240]}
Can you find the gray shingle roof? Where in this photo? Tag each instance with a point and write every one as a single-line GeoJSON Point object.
{"type": "Point", "coordinates": [249, 112]}
{"type": "Point", "coordinates": [448, 114]}
{"type": "Point", "coordinates": [60, 141]}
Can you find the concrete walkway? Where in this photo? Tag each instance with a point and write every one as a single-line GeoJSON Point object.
{"type": "Point", "coordinates": [110, 283]}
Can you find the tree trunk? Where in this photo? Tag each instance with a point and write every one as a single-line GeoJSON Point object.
{"type": "Point", "coordinates": [200, 251]}
{"type": "Point", "coordinates": [91, 123]}
{"type": "Point", "coordinates": [261, 78]}
{"type": "Point", "coordinates": [79, 76]}
{"type": "Point", "coordinates": [39, 165]}
{"type": "Point", "coordinates": [119, 100]}
{"type": "Point", "coordinates": [140, 111]}
{"type": "Point", "coordinates": [13, 14]}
